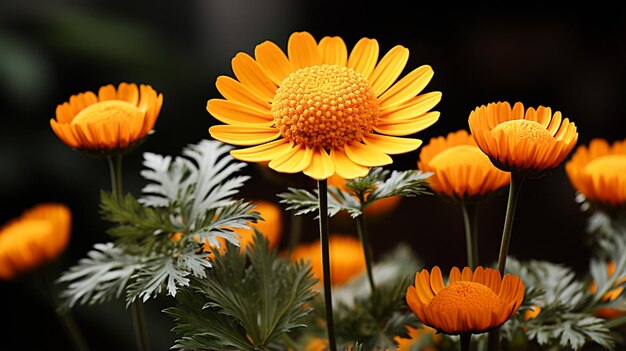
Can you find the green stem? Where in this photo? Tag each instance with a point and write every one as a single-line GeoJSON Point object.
{"type": "Point", "coordinates": [465, 341]}
{"type": "Point", "coordinates": [514, 187]}
{"type": "Point", "coordinates": [470, 215]}
{"type": "Point", "coordinates": [361, 229]}
{"type": "Point", "coordinates": [616, 322]}
{"type": "Point", "coordinates": [115, 168]}
{"type": "Point", "coordinates": [71, 328]}
{"type": "Point", "coordinates": [294, 233]}
{"type": "Point", "coordinates": [322, 187]}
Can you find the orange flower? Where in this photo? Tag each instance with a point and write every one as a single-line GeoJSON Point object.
{"type": "Point", "coordinates": [531, 142]}
{"type": "Point", "coordinates": [38, 236]}
{"type": "Point", "coordinates": [598, 171]}
{"type": "Point", "coordinates": [108, 123]}
{"type": "Point", "coordinates": [321, 111]}
{"type": "Point", "coordinates": [460, 169]}
{"type": "Point", "coordinates": [611, 295]}
{"type": "Point", "coordinates": [471, 303]}
{"type": "Point", "coordinates": [346, 257]}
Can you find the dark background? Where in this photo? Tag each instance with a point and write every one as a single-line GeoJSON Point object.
{"type": "Point", "coordinates": [569, 59]}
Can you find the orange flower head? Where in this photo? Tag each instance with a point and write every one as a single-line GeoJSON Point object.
{"type": "Point", "coordinates": [111, 122]}
{"type": "Point", "coordinates": [460, 170]}
{"type": "Point", "coordinates": [471, 302]}
{"type": "Point", "coordinates": [346, 258]}
{"type": "Point", "coordinates": [530, 142]}
{"type": "Point", "coordinates": [38, 236]}
{"type": "Point", "coordinates": [598, 171]}
{"type": "Point", "coordinates": [320, 110]}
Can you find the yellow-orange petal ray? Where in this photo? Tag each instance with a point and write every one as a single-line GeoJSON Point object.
{"type": "Point", "coordinates": [367, 156]}
{"type": "Point", "coordinates": [406, 127]}
{"type": "Point", "coordinates": [345, 167]}
{"type": "Point", "coordinates": [407, 87]}
{"type": "Point", "coordinates": [273, 61]}
{"type": "Point", "coordinates": [232, 89]}
{"type": "Point", "coordinates": [262, 153]}
{"type": "Point", "coordinates": [303, 51]}
{"type": "Point", "coordinates": [333, 51]}
{"type": "Point", "coordinates": [246, 115]}
{"type": "Point", "coordinates": [389, 69]}
{"type": "Point", "coordinates": [364, 56]}
{"type": "Point", "coordinates": [322, 166]}
{"type": "Point", "coordinates": [250, 74]}
{"type": "Point", "coordinates": [391, 145]}
{"type": "Point", "coordinates": [243, 135]}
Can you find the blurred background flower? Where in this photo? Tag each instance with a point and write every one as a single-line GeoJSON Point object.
{"type": "Point", "coordinates": [570, 60]}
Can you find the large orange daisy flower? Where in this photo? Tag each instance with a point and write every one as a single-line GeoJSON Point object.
{"type": "Point", "coordinates": [39, 235]}
{"type": "Point", "coordinates": [460, 169]}
{"type": "Point", "coordinates": [321, 111]}
{"type": "Point", "coordinates": [111, 121]}
{"type": "Point", "coordinates": [471, 303]}
{"type": "Point", "coordinates": [598, 171]}
{"type": "Point", "coordinates": [532, 141]}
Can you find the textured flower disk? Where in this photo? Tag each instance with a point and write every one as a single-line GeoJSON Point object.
{"type": "Point", "coordinates": [320, 110]}
{"type": "Point", "coordinates": [346, 258]}
{"type": "Point", "coordinates": [460, 169]}
{"type": "Point", "coordinates": [38, 236]}
{"type": "Point", "coordinates": [598, 171]}
{"type": "Point", "coordinates": [471, 302]}
{"type": "Point", "coordinates": [530, 142]}
{"type": "Point", "coordinates": [110, 122]}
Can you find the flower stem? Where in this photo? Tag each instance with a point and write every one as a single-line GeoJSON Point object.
{"type": "Point", "coordinates": [514, 187]}
{"type": "Point", "coordinates": [361, 228]}
{"type": "Point", "coordinates": [470, 215]}
{"type": "Point", "coordinates": [465, 341]}
{"type": "Point", "coordinates": [72, 330]}
{"type": "Point", "coordinates": [115, 168]}
{"type": "Point", "coordinates": [616, 322]}
{"type": "Point", "coordinates": [322, 187]}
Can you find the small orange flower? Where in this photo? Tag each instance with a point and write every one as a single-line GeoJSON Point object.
{"type": "Point", "coordinates": [611, 295]}
{"type": "Point", "coordinates": [419, 337]}
{"type": "Point", "coordinates": [460, 169]}
{"type": "Point", "coordinates": [38, 236]}
{"type": "Point", "coordinates": [346, 257]}
{"type": "Point", "coordinates": [531, 142]}
{"type": "Point", "coordinates": [108, 123]}
{"type": "Point", "coordinates": [471, 303]}
{"type": "Point", "coordinates": [598, 171]}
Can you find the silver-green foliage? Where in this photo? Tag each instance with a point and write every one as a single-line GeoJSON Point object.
{"type": "Point", "coordinates": [159, 238]}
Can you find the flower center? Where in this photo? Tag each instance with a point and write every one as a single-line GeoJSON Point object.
{"type": "Point", "coordinates": [467, 296]}
{"type": "Point", "coordinates": [325, 106]}
{"type": "Point", "coordinates": [107, 111]}
{"type": "Point", "coordinates": [459, 156]}
{"type": "Point", "coordinates": [610, 166]}
{"type": "Point", "coordinates": [523, 129]}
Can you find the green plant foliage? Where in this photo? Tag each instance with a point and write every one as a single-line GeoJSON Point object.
{"type": "Point", "coordinates": [159, 237]}
{"type": "Point", "coordinates": [248, 301]}
{"type": "Point", "coordinates": [361, 192]}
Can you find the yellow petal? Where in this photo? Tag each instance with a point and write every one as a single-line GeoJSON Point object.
{"type": "Point", "coordinates": [466, 274]}
{"type": "Point", "coordinates": [303, 51]}
{"type": "Point", "coordinates": [236, 113]}
{"type": "Point", "coordinates": [333, 51]}
{"type": "Point", "coordinates": [389, 69]}
{"type": "Point", "coordinates": [406, 127]}
{"type": "Point", "coordinates": [345, 167]}
{"type": "Point", "coordinates": [364, 56]}
{"type": "Point", "coordinates": [407, 87]}
{"type": "Point", "coordinates": [366, 155]}
{"type": "Point", "coordinates": [412, 107]}
{"type": "Point", "coordinates": [273, 61]}
{"type": "Point", "coordinates": [263, 152]}
{"type": "Point", "coordinates": [243, 135]}
{"type": "Point", "coordinates": [454, 276]}
{"type": "Point", "coordinates": [231, 89]}
{"type": "Point", "coordinates": [391, 145]}
{"type": "Point", "coordinates": [107, 92]}
{"type": "Point", "coordinates": [292, 160]}
{"type": "Point", "coordinates": [321, 167]}
{"type": "Point", "coordinates": [250, 74]}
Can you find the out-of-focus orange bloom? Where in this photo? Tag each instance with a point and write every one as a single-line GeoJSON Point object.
{"type": "Point", "coordinates": [38, 236]}
{"type": "Point", "coordinates": [611, 295]}
{"type": "Point", "coordinates": [346, 257]}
